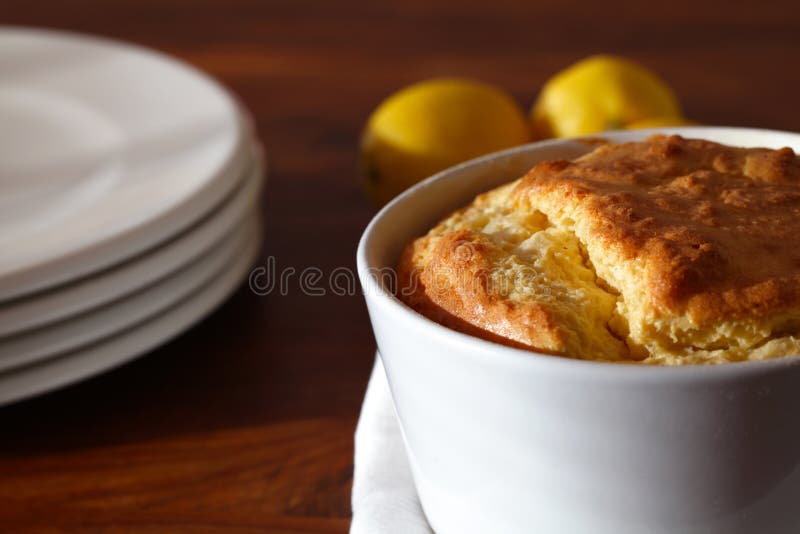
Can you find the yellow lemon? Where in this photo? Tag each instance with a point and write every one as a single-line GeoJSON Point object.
{"type": "Point", "coordinates": [432, 125]}
{"type": "Point", "coordinates": [660, 122]}
{"type": "Point", "coordinates": [601, 93]}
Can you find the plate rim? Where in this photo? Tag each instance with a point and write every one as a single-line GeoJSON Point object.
{"type": "Point", "coordinates": [69, 262]}
{"type": "Point", "coordinates": [66, 369]}
{"type": "Point", "coordinates": [59, 303]}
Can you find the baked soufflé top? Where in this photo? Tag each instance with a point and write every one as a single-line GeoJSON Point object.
{"type": "Point", "coordinates": [669, 251]}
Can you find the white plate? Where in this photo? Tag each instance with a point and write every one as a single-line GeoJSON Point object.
{"type": "Point", "coordinates": [58, 372]}
{"type": "Point", "coordinates": [117, 316]}
{"type": "Point", "coordinates": [105, 150]}
{"type": "Point", "coordinates": [61, 302]}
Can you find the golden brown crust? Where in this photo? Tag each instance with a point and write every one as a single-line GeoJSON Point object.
{"type": "Point", "coordinates": [684, 249]}
{"type": "Point", "coordinates": [716, 228]}
{"type": "Point", "coordinates": [455, 290]}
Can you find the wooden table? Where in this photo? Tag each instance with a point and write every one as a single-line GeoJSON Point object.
{"type": "Point", "coordinates": [245, 423]}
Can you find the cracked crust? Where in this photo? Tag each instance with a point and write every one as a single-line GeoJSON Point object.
{"type": "Point", "coordinates": [505, 274]}
{"type": "Point", "coordinates": [668, 251]}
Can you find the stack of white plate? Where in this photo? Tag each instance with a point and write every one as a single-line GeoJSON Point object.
{"type": "Point", "coordinates": [129, 186]}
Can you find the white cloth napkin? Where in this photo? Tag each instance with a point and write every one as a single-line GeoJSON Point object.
{"type": "Point", "coordinates": [384, 497]}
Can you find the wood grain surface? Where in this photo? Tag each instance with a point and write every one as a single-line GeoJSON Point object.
{"type": "Point", "coordinates": [245, 423]}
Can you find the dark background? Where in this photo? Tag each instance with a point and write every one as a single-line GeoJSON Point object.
{"type": "Point", "coordinates": [245, 423]}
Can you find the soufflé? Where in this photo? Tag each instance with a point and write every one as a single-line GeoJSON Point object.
{"type": "Point", "coordinates": [669, 251]}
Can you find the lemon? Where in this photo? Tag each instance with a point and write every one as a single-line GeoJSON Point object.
{"type": "Point", "coordinates": [659, 122]}
{"type": "Point", "coordinates": [601, 93]}
{"type": "Point", "coordinates": [434, 124]}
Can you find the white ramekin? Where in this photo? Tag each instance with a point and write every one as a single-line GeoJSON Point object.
{"type": "Point", "coordinates": [507, 441]}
